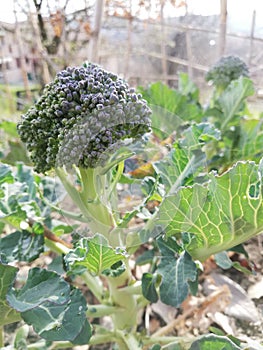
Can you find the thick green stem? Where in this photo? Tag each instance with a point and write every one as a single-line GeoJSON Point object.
{"type": "Point", "coordinates": [126, 319]}
{"type": "Point", "coordinates": [92, 198]}
{"type": "Point", "coordinates": [101, 310]}
{"type": "Point", "coordinates": [98, 216]}
{"type": "Point", "coordinates": [94, 284]}
{"type": "Point", "coordinates": [129, 340]}
{"type": "Point", "coordinates": [183, 342]}
{"type": "Point", "coordinates": [135, 289]}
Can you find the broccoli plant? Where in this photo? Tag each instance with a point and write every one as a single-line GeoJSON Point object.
{"type": "Point", "coordinates": [225, 70]}
{"type": "Point", "coordinates": [82, 135]}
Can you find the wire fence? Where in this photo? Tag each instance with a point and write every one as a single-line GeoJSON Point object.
{"type": "Point", "coordinates": [146, 51]}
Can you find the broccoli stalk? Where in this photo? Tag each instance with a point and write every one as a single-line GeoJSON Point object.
{"type": "Point", "coordinates": [81, 120]}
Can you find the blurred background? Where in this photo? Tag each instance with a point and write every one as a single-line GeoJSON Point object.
{"type": "Point", "coordinates": [141, 40]}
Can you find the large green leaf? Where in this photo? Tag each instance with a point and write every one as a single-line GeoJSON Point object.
{"type": "Point", "coordinates": [231, 101]}
{"type": "Point", "coordinates": [176, 271]}
{"type": "Point", "coordinates": [53, 321]}
{"type": "Point", "coordinates": [42, 286]}
{"type": "Point", "coordinates": [94, 254]}
{"type": "Point", "coordinates": [47, 302]}
{"type": "Point", "coordinates": [221, 214]}
{"type": "Point", "coordinates": [7, 276]}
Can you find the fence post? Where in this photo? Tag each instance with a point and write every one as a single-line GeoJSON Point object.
{"type": "Point", "coordinates": [252, 37]}
{"type": "Point", "coordinates": [94, 41]}
{"type": "Point", "coordinates": [223, 25]}
{"type": "Point", "coordinates": [163, 43]}
{"type": "Point", "coordinates": [189, 53]}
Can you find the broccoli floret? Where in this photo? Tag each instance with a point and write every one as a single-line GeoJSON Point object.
{"type": "Point", "coordinates": [83, 113]}
{"type": "Point", "coordinates": [227, 69]}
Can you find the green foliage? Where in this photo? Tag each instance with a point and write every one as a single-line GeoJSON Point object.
{"type": "Point", "coordinates": [170, 107]}
{"type": "Point", "coordinates": [203, 176]}
{"type": "Point", "coordinates": [12, 149]}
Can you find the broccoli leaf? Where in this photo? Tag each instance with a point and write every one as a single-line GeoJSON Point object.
{"type": "Point", "coordinates": [93, 254]}
{"type": "Point", "coordinates": [7, 276]}
{"type": "Point", "coordinates": [149, 282]}
{"type": "Point", "coordinates": [42, 286]}
{"type": "Point", "coordinates": [176, 271]}
{"type": "Point", "coordinates": [47, 302]}
{"type": "Point", "coordinates": [21, 246]}
{"type": "Point", "coordinates": [219, 215]}
{"type": "Point", "coordinates": [232, 99]}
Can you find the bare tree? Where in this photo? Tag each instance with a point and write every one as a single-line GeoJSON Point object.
{"type": "Point", "coordinates": [58, 37]}
{"type": "Point", "coordinates": [22, 55]}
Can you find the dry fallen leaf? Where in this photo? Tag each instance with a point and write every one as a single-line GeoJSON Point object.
{"type": "Point", "coordinates": [240, 306]}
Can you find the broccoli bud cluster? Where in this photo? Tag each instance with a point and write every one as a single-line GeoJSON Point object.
{"type": "Point", "coordinates": [84, 114]}
{"type": "Point", "coordinates": [227, 69]}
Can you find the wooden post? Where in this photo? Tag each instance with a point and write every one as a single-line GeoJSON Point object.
{"type": "Point", "coordinates": [129, 48]}
{"type": "Point", "coordinates": [189, 53]}
{"type": "Point", "coordinates": [222, 29]}
{"type": "Point", "coordinates": [94, 41]}
{"type": "Point", "coordinates": [252, 37]}
{"type": "Point", "coordinates": [163, 43]}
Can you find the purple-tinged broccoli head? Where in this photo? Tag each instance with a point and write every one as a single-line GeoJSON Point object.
{"type": "Point", "coordinates": [81, 116]}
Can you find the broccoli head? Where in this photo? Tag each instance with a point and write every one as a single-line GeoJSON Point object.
{"type": "Point", "coordinates": [81, 117]}
{"type": "Point", "coordinates": [227, 69]}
